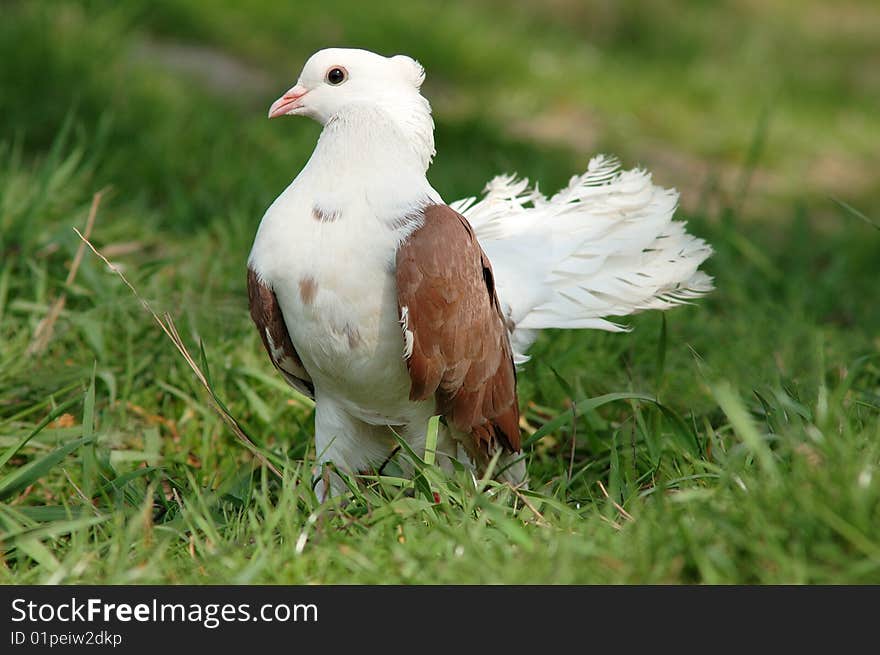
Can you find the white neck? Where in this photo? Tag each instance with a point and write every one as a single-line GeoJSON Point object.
{"type": "Point", "coordinates": [364, 153]}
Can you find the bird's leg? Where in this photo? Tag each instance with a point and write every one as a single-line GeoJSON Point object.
{"type": "Point", "coordinates": [348, 443]}
{"type": "Point", "coordinates": [447, 449]}
{"type": "Point", "coordinates": [510, 467]}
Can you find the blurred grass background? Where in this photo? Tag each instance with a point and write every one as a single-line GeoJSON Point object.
{"type": "Point", "coordinates": [759, 465]}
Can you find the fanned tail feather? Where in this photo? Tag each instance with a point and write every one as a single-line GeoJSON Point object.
{"type": "Point", "coordinates": [606, 245]}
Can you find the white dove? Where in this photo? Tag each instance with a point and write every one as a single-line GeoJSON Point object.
{"type": "Point", "coordinates": [388, 306]}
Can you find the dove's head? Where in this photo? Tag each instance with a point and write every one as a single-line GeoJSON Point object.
{"type": "Point", "coordinates": [336, 79]}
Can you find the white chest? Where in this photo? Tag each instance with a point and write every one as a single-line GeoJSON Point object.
{"type": "Point", "coordinates": [327, 246]}
{"type": "Point", "coordinates": [333, 271]}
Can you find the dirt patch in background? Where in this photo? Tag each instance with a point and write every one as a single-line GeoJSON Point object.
{"type": "Point", "coordinates": [706, 185]}
{"type": "Point", "coordinates": [219, 71]}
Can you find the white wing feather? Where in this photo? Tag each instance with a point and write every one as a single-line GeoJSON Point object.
{"type": "Point", "coordinates": [605, 245]}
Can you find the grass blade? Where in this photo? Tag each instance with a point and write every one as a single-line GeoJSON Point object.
{"type": "Point", "coordinates": [431, 440]}
{"type": "Point", "coordinates": [849, 209]}
{"type": "Point", "coordinates": [745, 428]}
{"type": "Point", "coordinates": [581, 406]}
{"type": "Point", "coordinates": [30, 473]}
{"type": "Point", "coordinates": [55, 413]}
{"type": "Point", "coordinates": [661, 351]}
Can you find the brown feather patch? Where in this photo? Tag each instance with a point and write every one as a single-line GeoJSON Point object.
{"type": "Point", "coordinates": [461, 351]}
{"type": "Point", "coordinates": [325, 216]}
{"type": "Point", "coordinates": [267, 316]}
{"type": "Point", "coordinates": [353, 335]}
{"type": "Point", "coordinates": [308, 289]}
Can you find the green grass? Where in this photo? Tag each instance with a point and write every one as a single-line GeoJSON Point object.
{"type": "Point", "coordinates": [737, 440]}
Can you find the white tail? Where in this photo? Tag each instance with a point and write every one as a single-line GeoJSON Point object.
{"type": "Point", "coordinates": [605, 245]}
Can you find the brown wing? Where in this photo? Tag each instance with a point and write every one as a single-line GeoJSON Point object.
{"type": "Point", "coordinates": [460, 345]}
{"type": "Point", "coordinates": [266, 313]}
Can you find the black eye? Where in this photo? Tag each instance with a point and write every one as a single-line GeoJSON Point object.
{"type": "Point", "coordinates": [336, 76]}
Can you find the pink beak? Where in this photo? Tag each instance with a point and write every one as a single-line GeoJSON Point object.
{"type": "Point", "coordinates": [288, 102]}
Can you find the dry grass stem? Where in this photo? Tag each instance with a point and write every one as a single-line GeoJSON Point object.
{"type": "Point", "coordinates": [166, 323]}
{"type": "Point", "coordinates": [617, 506]}
{"type": "Point", "coordinates": [541, 520]}
{"type": "Point", "coordinates": [46, 327]}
